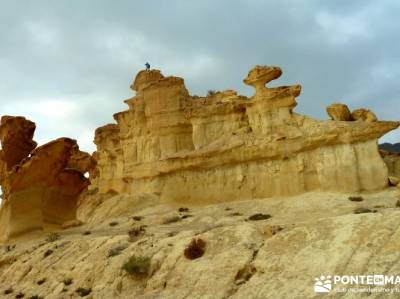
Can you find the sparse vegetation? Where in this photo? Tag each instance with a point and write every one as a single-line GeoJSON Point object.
{"type": "Point", "coordinates": [35, 297]}
{"type": "Point", "coordinates": [8, 291]}
{"type": "Point", "coordinates": [83, 291]}
{"type": "Point", "coordinates": [93, 191]}
{"type": "Point", "coordinates": [136, 232]}
{"type": "Point", "coordinates": [41, 281]}
{"type": "Point", "coordinates": [195, 249]}
{"type": "Point", "coordinates": [85, 233]}
{"type": "Point", "coordinates": [235, 214]}
{"type": "Point", "coordinates": [363, 210]}
{"type": "Point", "coordinates": [356, 198]}
{"type": "Point", "coordinates": [211, 93]}
{"type": "Point", "coordinates": [379, 206]}
{"type": "Point", "coordinates": [113, 223]}
{"type": "Point", "coordinates": [8, 248]}
{"type": "Point", "coordinates": [244, 274]}
{"type": "Point", "coordinates": [171, 219]}
{"type": "Point", "coordinates": [181, 210]}
{"type": "Point", "coordinates": [171, 234]}
{"type": "Point", "coordinates": [186, 216]}
{"type": "Point", "coordinates": [67, 281]}
{"type": "Point", "coordinates": [259, 216]}
{"type": "Point", "coordinates": [20, 295]}
{"type": "Point", "coordinates": [137, 218]}
{"type": "Point", "coordinates": [47, 253]}
{"type": "Point", "coordinates": [116, 250]}
{"type": "Point", "coordinates": [398, 203]}
{"type": "Point", "coordinates": [52, 237]}
{"type": "Point", "coordinates": [137, 265]}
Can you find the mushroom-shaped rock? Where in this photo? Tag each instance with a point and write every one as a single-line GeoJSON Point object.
{"type": "Point", "coordinates": [261, 75]}
{"type": "Point", "coordinates": [339, 112]}
{"type": "Point", "coordinates": [16, 136]}
{"type": "Point", "coordinates": [145, 78]}
{"type": "Point", "coordinates": [364, 115]}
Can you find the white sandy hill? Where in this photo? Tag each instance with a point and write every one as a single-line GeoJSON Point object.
{"type": "Point", "coordinates": [307, 236]}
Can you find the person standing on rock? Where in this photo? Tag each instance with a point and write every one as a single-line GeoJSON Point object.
{"type": "Point", "coordinates": [147, 66]}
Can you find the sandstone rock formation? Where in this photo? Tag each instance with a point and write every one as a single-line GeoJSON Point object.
{"type": "Point", "coordinates": [40, 185]}
{"type": "Point", "coordinates": [226, 146]}
{"type": "Point", "coordinates": [158, 168]}
{"type": "Point", "coordinates": [309, 235]}
{"type": "Point", "coordinates": [16, 135]}
{"type": "Point", "coordinates": [364, 115]}
{"type": "Point", "coordinates": [392, 161]}
{"type": "Point", "coordinates": [339, 112]}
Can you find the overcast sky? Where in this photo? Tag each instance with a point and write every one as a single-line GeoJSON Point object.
{"type": "Point", "coordinates": [68, 64]}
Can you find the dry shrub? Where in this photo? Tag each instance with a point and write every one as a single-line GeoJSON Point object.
{"type": "Point", "coordinates": [135, 232]}
{"type": "Point", "coordinates": [195, 249]}
{"type": "Point", "coordinates": [52, 237]}
{"type": "Point", "coordinates": [137, 265]}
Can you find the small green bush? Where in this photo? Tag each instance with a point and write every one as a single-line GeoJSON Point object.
{"type": "Point", "coordinates": [211, 93]}
{"type": "Point", "coordinates": [83, 291]}
{"type": "Point", "coordinates": [135, 232]}
{"type": "Point", "coordinates": [67, 281]}
{"type": "Point", "coordinates": [52, 237]}
{"type": "Point", "coordinates": [47, 253]}
{"type": "Point", "coordinates": [41, 281]}
{"type": "Point", "coordinates": [172, 219]}
{"type": "Point", "coordinates": [235, 214]}
{"type": "Point", "coordinates": [137, 265]}
{"type": "Point", "coordinates": [116, 250]}
{"type": "Point", "coordinates": [356, 198]}
{"type": "Point", "coordinates": [259, 216]}
{"type": "Point", "coordinates": [363, 210]}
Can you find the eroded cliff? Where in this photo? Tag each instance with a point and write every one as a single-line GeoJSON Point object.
{"type": "Point", "coordinates": [226, 146]}
{"type": "Point", "coordinates": [40, 185]}
{"type": "Point", "coordinates": [158, 169]}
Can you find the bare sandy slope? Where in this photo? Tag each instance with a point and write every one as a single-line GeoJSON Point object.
{"type": "Point", "coordinates": [307, 236]}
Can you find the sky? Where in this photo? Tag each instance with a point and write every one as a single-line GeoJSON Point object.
{"type": "Point", "coordinates": [67, 65]}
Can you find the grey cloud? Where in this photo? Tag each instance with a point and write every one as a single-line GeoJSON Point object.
{"type": "Point", "coordinates": [87, 52]}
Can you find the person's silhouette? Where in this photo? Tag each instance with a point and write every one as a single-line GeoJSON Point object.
{"type": "Point", "coordinates": [147, 66]}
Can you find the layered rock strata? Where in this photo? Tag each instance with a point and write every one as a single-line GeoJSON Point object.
{"type": "Point", "coordinates": [226, 146]}
{"type": "Point", "coordinates": [40, 185]}
{"type": "Point", "coordinates": [392, 161]}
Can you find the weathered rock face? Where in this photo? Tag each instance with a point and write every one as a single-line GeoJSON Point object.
{"type": "Point", "coordinates": [226, 146]}
{"type": "Point", "coordinates": [307, 236]}
{"type": "Point", "coordinates": [16, 135]}
{"type": "Point", "coordinates": [392, 161]}
{"type": "Point", "coordinates": [339, 112]}
{"type": "Point", "coordinates": [364, 115]}
{"type": "Point", "coordinates": [40, 186]}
